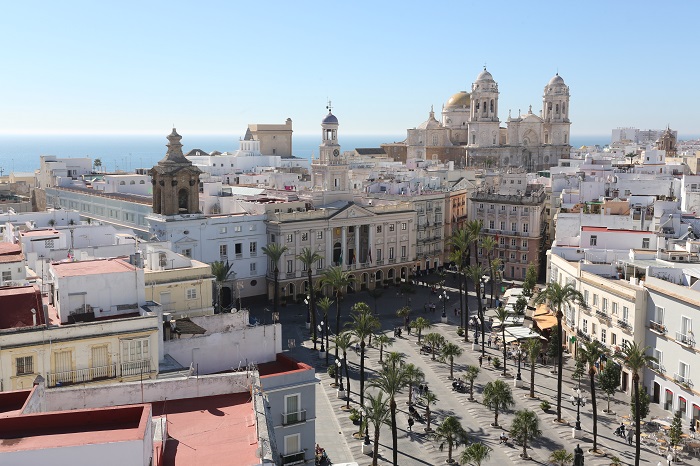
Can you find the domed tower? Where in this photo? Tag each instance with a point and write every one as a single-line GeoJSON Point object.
{"type": "Point", "coordinates": [667, 142]}
{"type": "Point", "coordinates": [483, 115]}
{"type": "Point", "coordinates": [555, 112]}
{"type": "Point", "coordinates": [175, 181]}
{"type": "Point", "coordinates": [329, 172]}
{"type": "Point", "coordinates": [455, 117]}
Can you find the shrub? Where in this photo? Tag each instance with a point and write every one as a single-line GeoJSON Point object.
{"type": "Point", "coordinates": [354, 415]}
{"type": "Point", "coordinates": [496, 362]}
{"type": "Point", "coordinates": [331, 370]}
{"type": "Point", "coordinates": [460, 331]}
{"type": "Point", "coordinates": [544, 406]}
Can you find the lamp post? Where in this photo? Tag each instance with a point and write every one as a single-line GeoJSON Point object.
{"type": "Point", "coordinates": [578, 401]}
{"type": "Point", "coordinates": [339, 367]}
{"type": "Point", "coordinates": [366, 445]}
{"type": "Point", "coordinates": [444, 298]}
{"type": "Point", "coordinates": [307, 301]}
{"type": "Point", "coordinates": [322, 351]}
{"type": "Point", "coordinates": [519, 353]}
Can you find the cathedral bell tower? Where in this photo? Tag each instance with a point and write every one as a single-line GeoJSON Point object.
{"type": "Point", "coordinates": [330, 171]}
{"type": "Point", "coordinates": [175, 181]}
{"type": "Point", "coordinates": [483, 114]}
{"type": "Point", "coordinates": [555, 112]}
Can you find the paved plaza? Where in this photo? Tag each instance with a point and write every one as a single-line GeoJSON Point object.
{"type": "Point", "coordinates": [334, 430]}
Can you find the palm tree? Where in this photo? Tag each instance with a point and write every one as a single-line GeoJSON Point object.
{"type": "Point", "coordinates": [221, 271]}
{"type": "Point", "coordinates": [474, 229]}
{"type": "Point", "coordinates": [533, 346]}
{"type": "Point", "coordinates": [460, 242]}
{"type": "Point", "coordinates": [429, 398]}
{"type": "Point", "coordinates": [404, 313]}
{"type": "Point", "coordinates": [309, 258]}
{"type": "Point", "coordinates": [391, 380]}
{"type": "Point", "coordinates": [636, 358]}
{"type": "Point", "coordinates": [450, 351]}
{"type": "Point", "coordinates": [325, 304]}
{"type": "Point", "coordinates": [590, 353]}
{"type": "Point", "coordinates": [420, 324]}
{"type": "Point", "coordinates": [475, 272]}
{"type": "Point", "coordinates": [475, 453]}
{"type": "Point", "coordinates": [414, 376]}
{"type": "Point", "coordinates": [489, 245]}
{"type": "Point", "coordinates": [502, 314]}
{"type": "Point", "coordinates": [362, 326]}
{"type": "Point", "coordinates": [470, 376]}
{"type": "Point", "coordinates": [451, 432]}
{"type": "Point", "coordinates": [394, 358]}
{"type": "Point", "coordinates": [342, 342]}
{"type": "Point", "coordinates": [383, 340]}
{"type": "Point", "coordinates": [559, 296]}
{"type": "Point", "coordinates": [434, 340]}
{"type": "Point", "coordinates": [561, 458]}
{"type": "Point", "coordinates": [275, 251]}
{"type": "Point", "coordinates": [339, 282]}
{"type": "Point", "coordinates": [97, 164]}
{"type": "Point", "coordinates": [631, 155]}
{"type": "Point", "coordinates": [378, 413]}
{"type": "Point", "coordinates": [525, 428]}
{"type": "Point", "coordinates": [499, 397]}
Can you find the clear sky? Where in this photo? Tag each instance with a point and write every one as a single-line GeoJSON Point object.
{"type": "Point", "coordinates": [213, 67]}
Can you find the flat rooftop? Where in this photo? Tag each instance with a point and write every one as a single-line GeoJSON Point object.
{"type": "Point", "coordinates": [73, 428]}
{"type": "Point", "coordinates": [93, 267]}
{"type": "Point", "coordinates": [282, 365]}
{"type": "Point", "coordinates": [209, 430]}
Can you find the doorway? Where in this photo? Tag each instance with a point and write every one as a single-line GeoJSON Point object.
{"type": "Point", "coordinates": [656, 396]}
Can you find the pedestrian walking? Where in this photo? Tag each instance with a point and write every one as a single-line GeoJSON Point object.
{"type": "Point", "coordinates": [455, 312]}
{"type": "Point", "coordinates": [629, 436]}
{"type": "Point", "coordinates": [410, 424]}
{"type": "Point", "coordinates": [489, 342]}
{"type": "Point", "coordinates": [442, 446]}
{"type": "Point", "coordinates": [481, 361]}
{"type": "Point", "coordinates": [489, 360]}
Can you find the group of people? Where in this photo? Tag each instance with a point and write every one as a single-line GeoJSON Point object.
{"type": "Point", "coordinates": [625, 433]}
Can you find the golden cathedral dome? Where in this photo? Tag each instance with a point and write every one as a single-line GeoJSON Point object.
{"type": "Point", "coordinates": [459, 100]}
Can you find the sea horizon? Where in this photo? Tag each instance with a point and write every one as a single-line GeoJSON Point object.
{"type": "Point", "coordinates": [20, 153]}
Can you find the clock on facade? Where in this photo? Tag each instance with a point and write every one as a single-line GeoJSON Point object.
{"type": "Point", "coordinates": [336, 152]}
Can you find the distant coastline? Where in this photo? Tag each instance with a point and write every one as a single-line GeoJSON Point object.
{"type": "Point", "coordinates": [20, 153]}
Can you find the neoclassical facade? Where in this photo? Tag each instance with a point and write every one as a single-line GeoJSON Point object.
{"type": "Point", "coordinates": [376, 244]}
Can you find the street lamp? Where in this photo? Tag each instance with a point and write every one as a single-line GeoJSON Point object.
{"type": "Point", "coordinates": [578, 401]}
{"type": "Point", "coordinates": [519, 353]}
{"type": "Point", "coordinates": [320, 330]}
{"type": "Point", "coordinates": [444, 298]}
{"type": "Point", "coordinates": [367, 405]}
{"type": "Point", "coordinates": [339, 367]}
{"type": "Point", "coordinates": [307, 301]}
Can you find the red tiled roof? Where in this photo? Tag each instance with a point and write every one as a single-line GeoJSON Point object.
{"type": "Point", "coordinates": [209, 430]}
{"type": "Point", "coordinates": [16, 304]}
{"type": "Point", "coordinates": [10, 252]}
{"type": "Point", "coordinates": [93, 267]}
{"type": "Point", "coordinates": [281, 365]}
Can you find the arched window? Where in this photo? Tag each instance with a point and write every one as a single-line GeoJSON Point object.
{"type": "Point", "coordinates": [566, 139]}
{"type": "Point", "coordinates": [473, 138]}
{"type": "Point", "coordinates": [556, 108]}
{"type": "Point", "coordinates": [563, 109]}
{"type": "Point", "coordinates": [122, 183]}
{"type": "Point", "coordinates": [183, 199]}
{"type": "Point", "coordinates": [162, 259]}
{"type": "Point", "coordinates": [491, 105]}
{"type": "Point", "coordinates": [546, 138]}
{"type": "Point", "coordinates": [435, 139]}
{"type": "Point", "coordinates": [142, 182]}
{"type": "Point", "coordinates": [132, 182]}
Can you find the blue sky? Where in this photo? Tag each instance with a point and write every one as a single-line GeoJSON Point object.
{"type": "Point", "coordinates": [213, 67]}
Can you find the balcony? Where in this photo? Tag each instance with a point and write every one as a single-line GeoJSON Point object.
{"type": "Point", "coordinates": [657, 367]}
{"type": "Point", "coordinates": [293, 458]}
{"type": "Point", "coordinates": [135, 368]}
{"type": "Point", "coordinates": [624, 325]}
{"type": "Point", "coordinates": [290, 275]}
{"type": "Point", "coordinates": [657, 327]}
{"type": "Point", "coordinates": [682, 379]}
{"type": "Point", "coordinates": [82, 375]}
{"type": "Point", "coordinates": [582, 335]}
{"type": "Point", "coordinates": [685, 339]}
{"type": "Point", "coordinates": [380, 261]}
{"type": "Point", "coordinates": [603, 315]}
{"type": "Point", "coordinates": [293, 418]}
{"type": "Point", "coordinates": [239, 255]}
{"type": "Point", "coordinates": [392, 260]}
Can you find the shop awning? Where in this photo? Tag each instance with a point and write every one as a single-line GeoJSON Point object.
{"type": "Point", "coordinates": [520, 333]}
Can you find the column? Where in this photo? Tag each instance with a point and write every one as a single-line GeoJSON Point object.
{"type": "Point", "coordinates": [370, 243]}
{"type": "Point", "coordinates": [329, 247]}
{"type": "Point", "coordinates": [385, 250]}
{"type": "Point", "coordinates": [344, 246]}
{"type": "Point", "coordinates": [358, 229]}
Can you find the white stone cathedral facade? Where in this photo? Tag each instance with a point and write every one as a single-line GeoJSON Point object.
{"type": "Point", "coordinates": [470, 121]}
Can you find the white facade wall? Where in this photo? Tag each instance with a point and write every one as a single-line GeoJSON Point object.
{"type": "Point", "coordinates": [618, 239]}
{"type": "Point", "coordinates": [14, 271]}
{"type": "Point", "coordinates": [125, 184]}
{"type": "Point", "coordinates": [690, 194]}
{"type": "Point", "coordinates": [568, 225]}
{"type": "Point", "coordinates": [105, 454]}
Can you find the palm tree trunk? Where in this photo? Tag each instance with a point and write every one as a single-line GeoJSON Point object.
{"type": "Point", "coordinates": [560, 362]}
{"type": "Point", "coordinates": [488, 257]}
{"type": "Point", "coordinates": [635, 381]}
{"type": "Point", "coordinates": [466, 307]}
{"type": "Point", "coordinates": [376, 445]}
{"type": "Point", "coordinates": [591, 373]}
{"type": "Point", "coordinates": [381, 350]}
{"type": "Point", "coordinates": [327, 337]}
{"type": "Point", "coordinates": [493, 283]}
{"type": "Point", "coordinates": [337, 328]}
{"type": "Point", "coordinates": [532, 379]}
{"type": "Point", "coordinates": [452, 364]}
{"type": "Point", "coordinates": [313, 307]}
{"type": "Point", "coordinates": [362, 379]}
{"type": "Point", "coordinates": [524, 448]}
{"type": "Point", "coordinates": [410, 394]}
{"type": "Point", "coordinates": [495, 417]}
{"type": "Point", "coordinates": [449, 452]}
{"type": "Point", "coordinates": [503, 338]}
{"type": "Point", "coordinates": [347, 380]}
{"type": "Point", "coordinates": [276, 291]}
{"type": "Point", "coordinates": [394, 439]}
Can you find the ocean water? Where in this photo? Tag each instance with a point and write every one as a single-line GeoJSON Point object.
{"type": "Point", "coordinates": [127, 152]}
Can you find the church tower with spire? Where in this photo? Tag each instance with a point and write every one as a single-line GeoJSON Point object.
{"type": "Point", "coordinates": [330, 170]}
{"type": "Point", "coordinates": [175, 181]}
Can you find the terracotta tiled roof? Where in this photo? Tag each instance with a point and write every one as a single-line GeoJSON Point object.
{"type": "Point", "coordinates": [10, 252]}
{"type": "Point", "coordinates": [16, 304]}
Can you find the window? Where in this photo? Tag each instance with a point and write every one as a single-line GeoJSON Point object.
{"type": "Point", "coordinates": [585, 326]}
{"type": "Point", "coordinates": [237, 228]}
{"type": "Point", "coordinates": [253, 248]}
{"type": "Point", "coordinates": [403, 252]}
{"type": "Point", "coordinates": [524, 258]}
{"type": "Point", "coordinates": [222, 230]}
{"type": "Point", "coordinates": [512, 256]}
{"type": "Point", "coordinates": [524, 243]}
{"type": "Point", "coordinates": [290, 266]}
{"type": "Point", "coordinates": [594, 240]}
{"type": "Point", "coordinates": [253, 267]}
{"type": "Point", "coordinates": [6, 275]}
{"type": "Point", "coordinates": [191, 293]}
{"type": "Point", "coordinates": [187, 252]}
{"type": "Point", "coordinates": [502, 241]}
{"type": "Point", "coordinates": [490, 206]}
{"type": "Point", "coordinates": [503, 225]}
{"type": "Point", "coordinates": [238, 248]}
{"type": "Point", "coordinates": [625, 313]}
{"type": "Point", "coordinates": [492, 224]}
{"type": "Point", "coordinates": [645, 243]}
{"type": "Point", "coordinates": [319, 264]}
{"type": "Point", "coordinates": [292, 408]}
{"type": "Point", "coordinates": [503, 208]}
{"type": "Point", "coordinates": [392, 227]}
{"type": "Point", "coordinates": [319, 235]}
{"type": "Point", "coordinates": [603, 335]}
{"type": "Point", "coordinates": [614, 309]}
{"type": "Point", "coordinates": [513, 226]}
{"type": "Point", "coordinates": [593, 329]}
{"type": "Point", "coordinates": [658, 315]}
{"type": "Point", "coordinates": [595, 300]}
{"type": "Point", "coordinates": [292, 444]}
{"type": "Point", "coordinates": [135, 350]}
{"type": "Point", "coordinates": [513, 241]}
{"type": "Point", "coordinates": [403, 226]}
{"type": "Point", "coordinates": [379, 228]}
{"type": "Point", "coordinates": [526, 227]}
{"type": "Point", "coordinates": [391, 253]}
{"type": "Point", "coordinates": [659, 355]}
{"type": "Point", "coordinates": [290, 238]}
{"type": "Point", "coordinates": [379, 254]}
{"type": "Point", "coordinates": [48, 244]}
{"type": "Point", "coordinates": [585, 296]}
{"type": "Point", "coordinates": [605, 304]}
{"type": "Point", "coordinates": [223, 250]}
{"type": "Point", "coordinates": [25, 365]}
{"type": "Point", "coordinates": [435, 139]}
{"type": "Point", "coordinates": [683, 371]}
{"type": "Point", "coordinates": [613, 338]}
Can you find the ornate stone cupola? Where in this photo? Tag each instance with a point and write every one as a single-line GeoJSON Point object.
{"type": "Point", "coordinates": [175, 181]}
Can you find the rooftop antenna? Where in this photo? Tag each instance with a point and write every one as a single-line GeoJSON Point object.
{"type": "Point", "coordinates": [329, 107]}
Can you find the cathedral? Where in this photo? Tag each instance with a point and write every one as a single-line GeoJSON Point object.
{"type": "Point", "coordinates": [471, 130]}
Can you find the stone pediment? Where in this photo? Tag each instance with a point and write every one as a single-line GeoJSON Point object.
{"type": "Point", "coordinates": [352, 211]}
{"type": "Point", "coordinates": [185, 239]}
